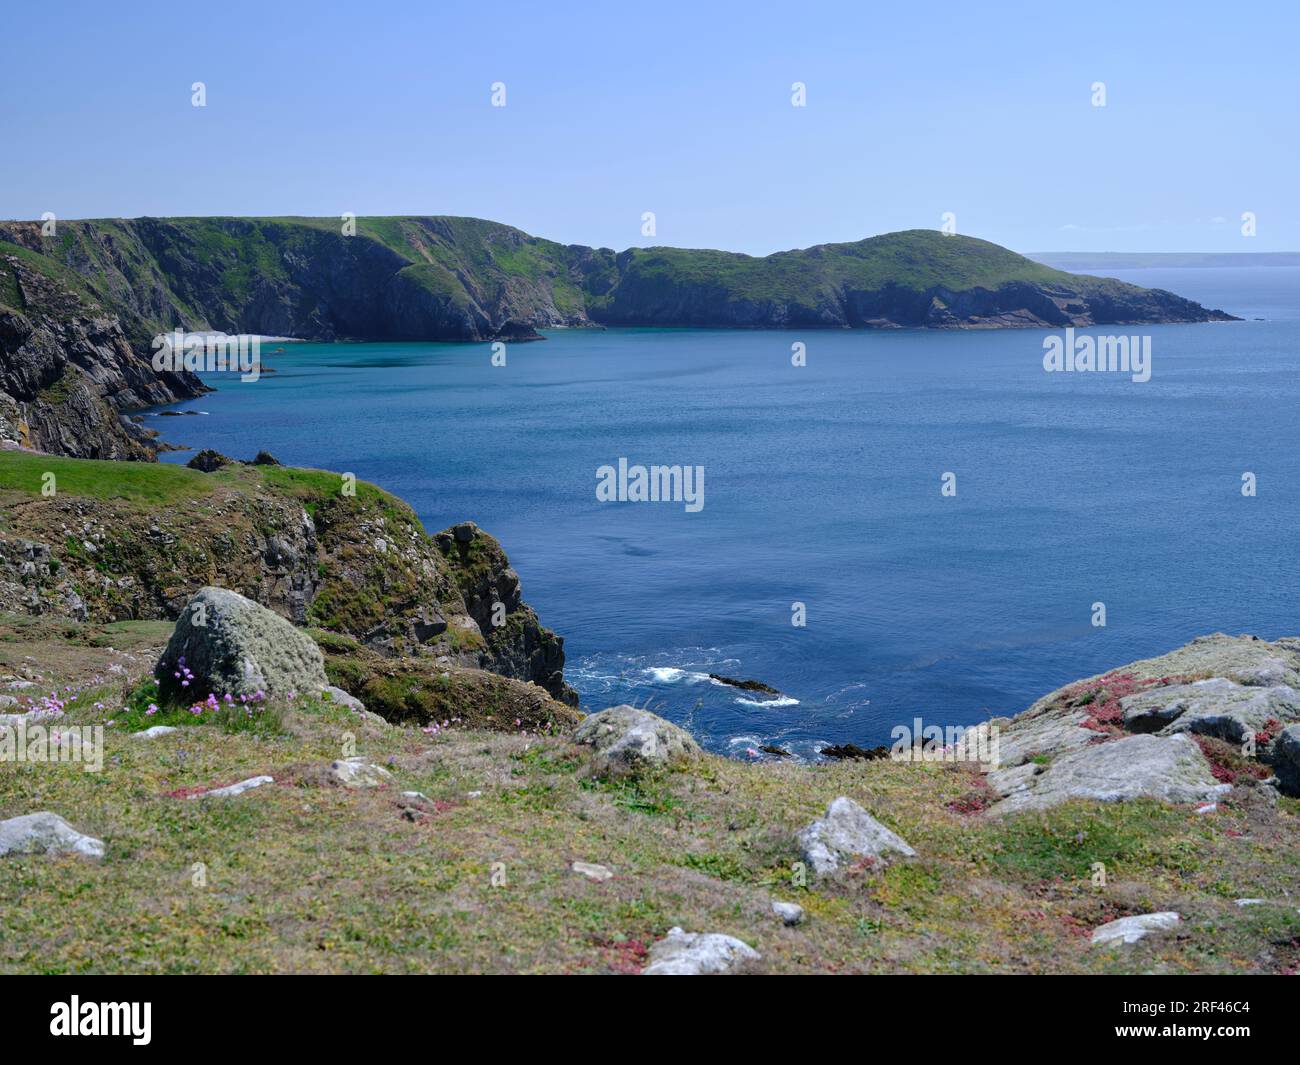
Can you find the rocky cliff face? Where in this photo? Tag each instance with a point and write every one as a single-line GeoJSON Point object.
{"type": "Point", "coordinates": [109, 549]}
{"type": "Point", "coordinates": [68, 373]}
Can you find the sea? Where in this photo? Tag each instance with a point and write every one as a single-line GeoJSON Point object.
{"type": "Point", "coordinates": [891, 525]}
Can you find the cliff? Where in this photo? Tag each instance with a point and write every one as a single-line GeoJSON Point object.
{"type": "Point", "coordinates": [443, 278]}
{"type": "Point", "coordinates": [67, 370]}
{"type": "Point", "coordinates": [133, 542]}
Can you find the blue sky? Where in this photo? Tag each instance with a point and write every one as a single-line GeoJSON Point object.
{"type": "Point", "coordinates": [983, 110]}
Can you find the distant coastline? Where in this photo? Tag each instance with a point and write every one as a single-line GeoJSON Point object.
{"type": "Point", "coordinates": [1140, 260]}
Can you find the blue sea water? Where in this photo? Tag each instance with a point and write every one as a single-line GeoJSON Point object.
{"type": "Point", "coordinates": [822, 487]}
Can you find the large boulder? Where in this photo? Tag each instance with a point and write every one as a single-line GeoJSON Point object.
{"type": "Point", "coordinates": [846, 833]}
{"type": "Point", "coordinates": [627, 739]}
{"type": "Point", "coordinates": [698, 954]}
{"type": "Point", "coordinates": [226, 644]}
{"type": "Point", "coordinates": [1160, 767]}
{"type": "Point", "coordinates": [46, 833]}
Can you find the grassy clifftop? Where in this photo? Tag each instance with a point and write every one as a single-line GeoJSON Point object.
{"type": "Point", "coordinates": [133, 541]}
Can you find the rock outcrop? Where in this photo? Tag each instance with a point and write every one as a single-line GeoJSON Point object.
{"type": "Point", "coordinates": [627, 740]}
{"type": "Point", "coordinates": [1183, 727]}
{"type": "Point", "coordinates": [1158, 767]}
{"type": "Point", "coordinates": [224, 644]}
{"type": "Point", "coordinates": [848, 833]}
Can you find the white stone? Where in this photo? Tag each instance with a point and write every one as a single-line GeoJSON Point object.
{"type": "Point", "coordinates": [789, 912]}
{"type": "Point", "coordinates": [357, 773]}
{"type": "Point", "coordinates": [154, 732]}
{"type": "Point", "coordinates": [235, 789]}
{"type": "Point", "coordinates": [1130, 929]}
{"type": "Point", "coordinates": [46, 833]}
{"type": "Point", "coordinates": [592, 871]}
{"type": "Point", "coordinates": [847, 832]}
{"type": "Point", "coordinates": [698, 954]}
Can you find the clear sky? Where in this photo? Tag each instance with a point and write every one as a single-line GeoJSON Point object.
{"type": "Point", "coordinates": [684, 109]}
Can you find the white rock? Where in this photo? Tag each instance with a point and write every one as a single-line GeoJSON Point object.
{"type": "Point", "coordinates": [235, 789]}
{"type": "Point", "coordinates": [698, 954]}
{"type": "Point", "coordinates": [847, 832]}
{"type": "Point", "coordinates": [592, 871]}
{"type": "Point", "coordinates": [1251, 902]}
{"type": "Point", "coordinates": [1131, 929]}
{"type": "Point", "coordinates": [46, 833]}
{"type": "Point", "coordinates": [154, 732]}
{"type": "Point", "coordinates": [357, 773]}
{"type": "Point", "coordinates": [789, 912]}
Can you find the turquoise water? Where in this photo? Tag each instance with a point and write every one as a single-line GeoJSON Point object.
{"type": "Point", "coordinates": [822, 486]}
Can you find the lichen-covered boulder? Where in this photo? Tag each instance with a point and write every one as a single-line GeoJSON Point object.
{"type": "Point", "coordinates": [627, 739]}
{"type": "Point", "coordinates": [847, 832]}
{"type": "Point", "coordinates": [1134, 767]}
{"type": "Point", "coordinates": [226, 644]}
{"type": "Point", "coordinates": [46, 833]}
{"type": "Point", "coordinates": [683, 953]}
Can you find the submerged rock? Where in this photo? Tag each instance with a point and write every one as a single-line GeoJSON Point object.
{"type": "Point", "coordinates": [46, 833]}
{"type": "Point", "coordinates": [1128, 930]}
{"type": "Point", "coordinates": [231, 645]}
{"type": "Point", "coordinates": [744, 685]}
{"type": "Point", "coordinates": [698, 954]}
{"type": "Point", "coordinates": [853, 751]}
{"type": "Point", "coordinates": [847, 832]}
{"type": "Point", "coordinates": [628, 739]}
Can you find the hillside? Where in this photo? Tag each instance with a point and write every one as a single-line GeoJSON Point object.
{"type": "Point", "coordinates": [444, 278]}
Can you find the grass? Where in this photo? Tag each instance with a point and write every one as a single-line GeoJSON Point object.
{"type": "Point", "coordinates": [146, 483]}
{"type": "Point", "coordinates": [302, 876]}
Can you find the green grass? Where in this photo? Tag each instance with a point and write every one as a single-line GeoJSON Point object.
{"type": "Point", "coordinates": [139, 482]}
